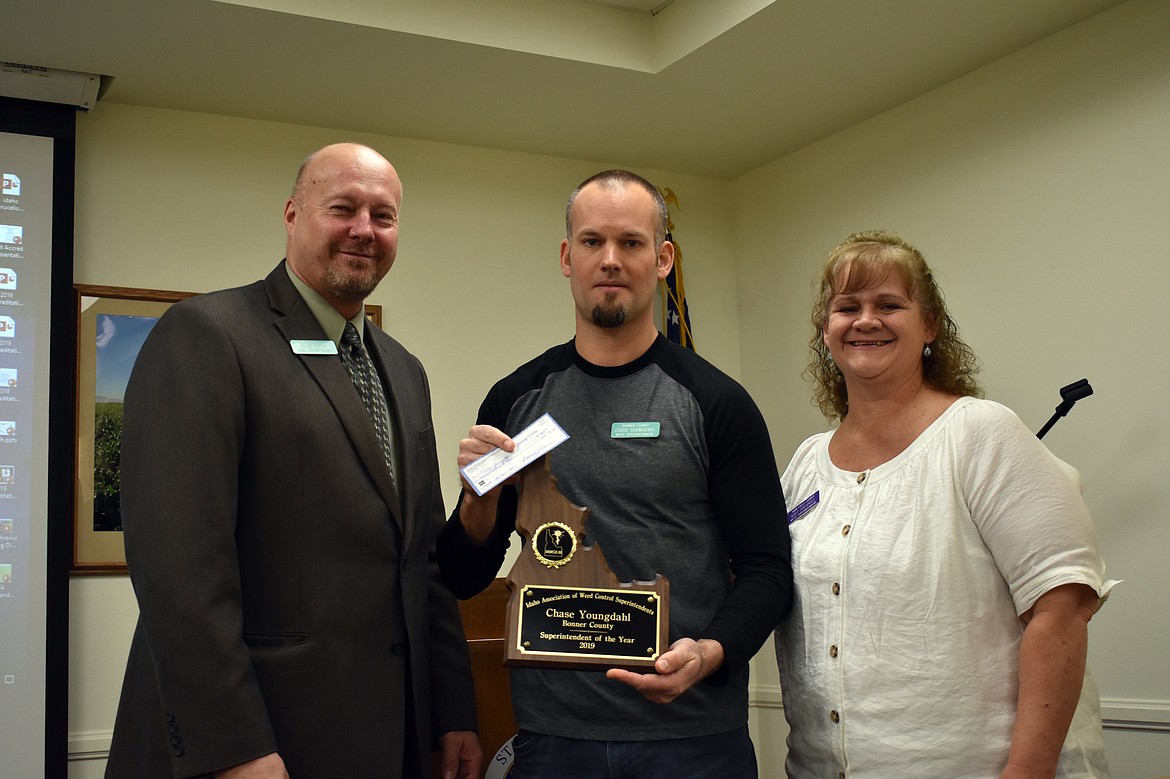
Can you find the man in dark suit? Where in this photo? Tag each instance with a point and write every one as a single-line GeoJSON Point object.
{"type": "Point", "coordinates": [280, 522]}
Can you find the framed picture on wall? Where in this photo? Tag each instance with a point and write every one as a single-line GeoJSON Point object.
{"type": "Point", "coordinates": [112, 324]}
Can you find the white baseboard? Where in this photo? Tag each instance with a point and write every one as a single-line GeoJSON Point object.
{"type": "Point", "coordinates": [90, 744]}
{"type": "Point", "coordinates": [765, 696]}
{"type": "Point", "coordinates": [1146, 715]}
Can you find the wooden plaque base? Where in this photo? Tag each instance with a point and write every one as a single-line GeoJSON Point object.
{"type": "Point", "coordinates": [567, 609]}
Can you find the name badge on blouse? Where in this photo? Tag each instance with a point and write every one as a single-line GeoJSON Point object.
{"type": "Point", "coordinates": [300, 346]}
{"type": "Point", "coordinates": [805, 506]}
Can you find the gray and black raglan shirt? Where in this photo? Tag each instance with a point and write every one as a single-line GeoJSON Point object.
{"type": "Point", "coordinates": [699, 503]}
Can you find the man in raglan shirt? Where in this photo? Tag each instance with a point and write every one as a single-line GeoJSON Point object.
{"type": "Point", "coordinates": [699, 502]}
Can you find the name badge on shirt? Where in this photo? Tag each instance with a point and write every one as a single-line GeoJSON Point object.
{"type": "Point", "coordinates": [300, 346]}
{"type": "Point", "coordinates": [634, 429]}
{"type": "Point", "coordinates": [805, 506]}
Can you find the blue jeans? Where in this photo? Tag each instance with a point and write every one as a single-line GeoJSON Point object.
{"type": "Point", "coordinates": [721, 756]}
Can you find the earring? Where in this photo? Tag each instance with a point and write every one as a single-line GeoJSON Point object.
{"type": "Point", "coordinates": [926, 351]}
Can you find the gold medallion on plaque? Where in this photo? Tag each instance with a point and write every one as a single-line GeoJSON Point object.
{"type": "Point", "coordinates": [554, 543]}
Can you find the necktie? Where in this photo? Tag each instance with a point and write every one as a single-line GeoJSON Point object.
{"type": "Point", "coordinates": [369, 386]}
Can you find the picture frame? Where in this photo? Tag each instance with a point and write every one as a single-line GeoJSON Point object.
{"type": "Point", "coordinates": [112, 323]}
{"type": "Point", "coordinates": [123, 316]}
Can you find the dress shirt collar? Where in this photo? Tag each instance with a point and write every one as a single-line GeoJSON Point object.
{"type": "Point", "coordinates": [332, 323]}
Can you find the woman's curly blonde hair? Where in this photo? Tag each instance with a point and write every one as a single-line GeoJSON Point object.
{"type": "Point", "coordinates": [866, 259]}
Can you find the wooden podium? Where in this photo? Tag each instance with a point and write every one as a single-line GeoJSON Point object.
{"type": "Point", "coordinates": [483, 622]}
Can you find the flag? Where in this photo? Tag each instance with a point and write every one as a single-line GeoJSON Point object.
{"type": "Point", "coordinates": [676, 317]}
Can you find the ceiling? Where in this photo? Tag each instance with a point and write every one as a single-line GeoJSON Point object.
{"type": "Point", "coordinates": [708, 87]}
{"type": "Point", "coordinates": [647, 6]}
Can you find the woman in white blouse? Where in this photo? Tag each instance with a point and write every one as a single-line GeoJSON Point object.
{"type": "Point", "coordinates": [946, 565]}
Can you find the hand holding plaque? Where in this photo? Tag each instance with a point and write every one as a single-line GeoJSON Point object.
{"type": "Point", "coordinates": [567, 608]}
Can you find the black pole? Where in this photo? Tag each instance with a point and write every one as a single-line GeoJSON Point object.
{"type": "Point", "coordinates": [1068, 396]}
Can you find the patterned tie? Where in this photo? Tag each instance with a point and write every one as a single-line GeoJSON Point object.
{"type": "Point", "coordinates": [369, 387]}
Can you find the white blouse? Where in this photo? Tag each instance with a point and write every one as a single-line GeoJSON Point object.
{"type": "Point", "coordinates": [899, 657]}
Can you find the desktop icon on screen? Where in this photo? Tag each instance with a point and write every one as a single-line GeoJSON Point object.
{"type": "Point", "coordinates": [9, 184]}
{"type": "Point", "coordinates": [7, 327]}
{"type": "Point", "coordinates": [6, 527]}
{"type": "Point", "coordinates": [7, 278]}
{"type": "Point", "coordinates": [8, 377]}
{"type": "Point", "coordinates": [12, 234]}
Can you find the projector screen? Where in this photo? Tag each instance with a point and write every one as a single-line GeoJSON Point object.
{"type": "Point", "coordinates": [35, 421]}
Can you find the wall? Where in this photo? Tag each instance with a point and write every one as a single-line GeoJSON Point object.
{"type": "Point", "coordinates": [175, 200]}
{"type": "Point", "coordinates": [1032, 185]}
{"type": "Point", "coordinates": [1036, 187]}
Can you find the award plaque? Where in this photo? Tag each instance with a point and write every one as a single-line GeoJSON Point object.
{"type": "Point", "coordinates": [567, 608]}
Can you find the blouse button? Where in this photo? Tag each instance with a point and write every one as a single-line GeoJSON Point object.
{"type": "Point", "coordinates": [836, 588]}
{"type": "Point", "coordinates": [845, 530]}
{"type": "Point", "coordinates": [834, 716]}
{"type": "Point", "coordinates": [833, 651]}
{"type": "Point", "coordinates": [861, 478]}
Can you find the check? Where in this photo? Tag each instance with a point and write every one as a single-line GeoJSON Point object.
{"type": "Point", "coordinates": [532, 443]}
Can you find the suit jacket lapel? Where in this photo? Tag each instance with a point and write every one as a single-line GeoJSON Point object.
{"type": "Point", "coordinates": [297, 322]}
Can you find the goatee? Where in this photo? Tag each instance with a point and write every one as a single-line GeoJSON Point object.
{"type": "Point", "coordinates": [350, 287]}
{"type": "Point", "coordinates": [609, 318]}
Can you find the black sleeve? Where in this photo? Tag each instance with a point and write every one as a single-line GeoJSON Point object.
{"type": "Point", "coordinates": [468, 569]}
{"type": "Point", "coordinates": [745, 491]}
